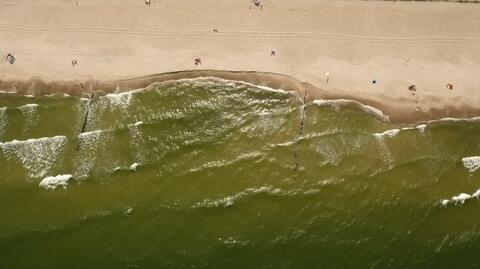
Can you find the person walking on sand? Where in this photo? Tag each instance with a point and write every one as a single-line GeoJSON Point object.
{"type": "Point", "coordinates": [257, 3]}
{"type": "Point", "coordinates": [327, 77]}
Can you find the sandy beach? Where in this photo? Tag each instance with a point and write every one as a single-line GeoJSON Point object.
{"type": "Point", "coordinates": [372, 50]}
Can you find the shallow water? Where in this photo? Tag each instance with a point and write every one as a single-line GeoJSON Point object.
{"type": "Point", "coordinates": [217, 174]}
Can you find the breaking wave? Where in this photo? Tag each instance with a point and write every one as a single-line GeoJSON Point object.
{"type": "Point", "coordinates": [472, 164]}
{"type": "Point", "coordinates": [51, 183]}
{"type": "Point", "coordinates": [37, 156]}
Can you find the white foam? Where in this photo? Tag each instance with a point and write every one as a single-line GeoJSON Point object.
{"type": "Point", "coordinates": [128, 211]}
{"type": "Point", "coordinates": [51, 183]}
{"type": "Point", "coordinates": [472, 164]}
{"type": "Point", "coordinates": [89, 143]}
{"type": "Point", "coordinates": [29, 112]}
{"type": "Point", "coordinates": [230, 200]}
{"type": "Point", "coordinates": [286, 144]}
{"type": "Point", "coordinates": [91, 133]}
{"type": "Point", "coordinates": [333, 181]}
{"type": "Point", "coordinates": [3, 120]}
{"type": "Point", "coordinates": [380, 113]}
{"type": "Point", "coordinates": [208, 79]}
{"type": "Point", "coordinates": [29, 105]}
{"type": "Point", "coordinates": [58, 95]}
{"type": "Point", "coordinates": [476, 194]}
{"type": "Point", "coordinates": [473, 119]}
{"type": "Point", "coordinates": [122, 100]}
{"type": "Point", "coordinates": [421, 128]}
{"type": "Point", "coordinates": [36, 155]}
{"type": "Point", "coordinates": [233, 241]}
{"type": "Point", "coordinates": [134, 167]}
{"type": "Point", "coordinates": [222, 163]}
{"type": "Point", "coordinates": [104, 104]}
{"type": "Point", "coordinates": [387, 133]}
{"type": "Point", "coordinates": [342, 102]}
{"type": "Point", "coordinates": [394, 132]}
{"type": "Point", "coordinates": [138, 142]}
{"type": "Point", "coordinates": [461, 198]}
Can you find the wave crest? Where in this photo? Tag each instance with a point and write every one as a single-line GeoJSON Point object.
{"type": "Point", "coordinates": [472, 164]}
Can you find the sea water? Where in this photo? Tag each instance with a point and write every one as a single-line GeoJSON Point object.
{"type": "Point", "coordinates": [221, 174]}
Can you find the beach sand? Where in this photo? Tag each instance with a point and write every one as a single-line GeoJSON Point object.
{"type": "Point", "coordinates": [120, 45]}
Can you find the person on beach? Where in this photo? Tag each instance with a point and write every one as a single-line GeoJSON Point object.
{"type": "Point", "coordinates": [148, 2]}
{"type": "Point", "coordinates": [327, 77]}
{"type": "Point", "coordinates": [257, 3]}
{"type": "Point", "coordinates": [10, 58]}
{"type": "Point", "coordinates": [198, 61]}
{"type": "Point", "coordinates": [412, 88]}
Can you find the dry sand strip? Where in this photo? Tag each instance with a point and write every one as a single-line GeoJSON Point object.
{"type": "Point", "coordinates": [372, 50]}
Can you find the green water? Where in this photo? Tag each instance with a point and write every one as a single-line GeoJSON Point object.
{"type": "Point", "coordinates": [226, 177]}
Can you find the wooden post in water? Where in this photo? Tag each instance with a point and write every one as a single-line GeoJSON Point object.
{"type": "Point", "coordinates": [84, 126]}
{"type": "Point", "coordinates": [302, 124]}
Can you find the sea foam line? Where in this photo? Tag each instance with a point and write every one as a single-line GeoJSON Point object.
{"type": "Point", "coordinates": [343, 102]}
{"type": "Point", "coordinates": [249, 192]}
{"type": "Point", "coordinates": [122, 99]}
{"type": "Point", "coordinates": [226, 81]}
{"type": "Point", "coordinates": [387, 133]}
{"type": "Point", "coordinates": [223, 163]}
{"type": "Point", "coordinates": [133, 167]}
{"type": "Point", "coordinates": [118, 95]}
{"type": "Point", "coordinates": [230, 200]}
{"type": "Point", "coordinates": [394, 132]}
{"type": "Point", "coordinates": [472, 119]}
{"type": "Point", "coordinates": [51, 183]}
{"type": "Point", "coordinates": [31, 141]}
{"type": "Point", "coordinates": [461, 198]}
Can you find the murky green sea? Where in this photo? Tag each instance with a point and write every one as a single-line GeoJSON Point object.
{"type": "Point", "coordinates": [218, 174]}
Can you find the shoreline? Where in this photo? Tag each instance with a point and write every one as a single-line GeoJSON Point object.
{"type": "Point", "coordinates": [374, 52]}
{"type": "Point", "coordinates": [395, 111]}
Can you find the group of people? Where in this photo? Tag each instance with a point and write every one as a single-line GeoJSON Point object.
{"type": "Point", "coordinates": [10, 58]}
